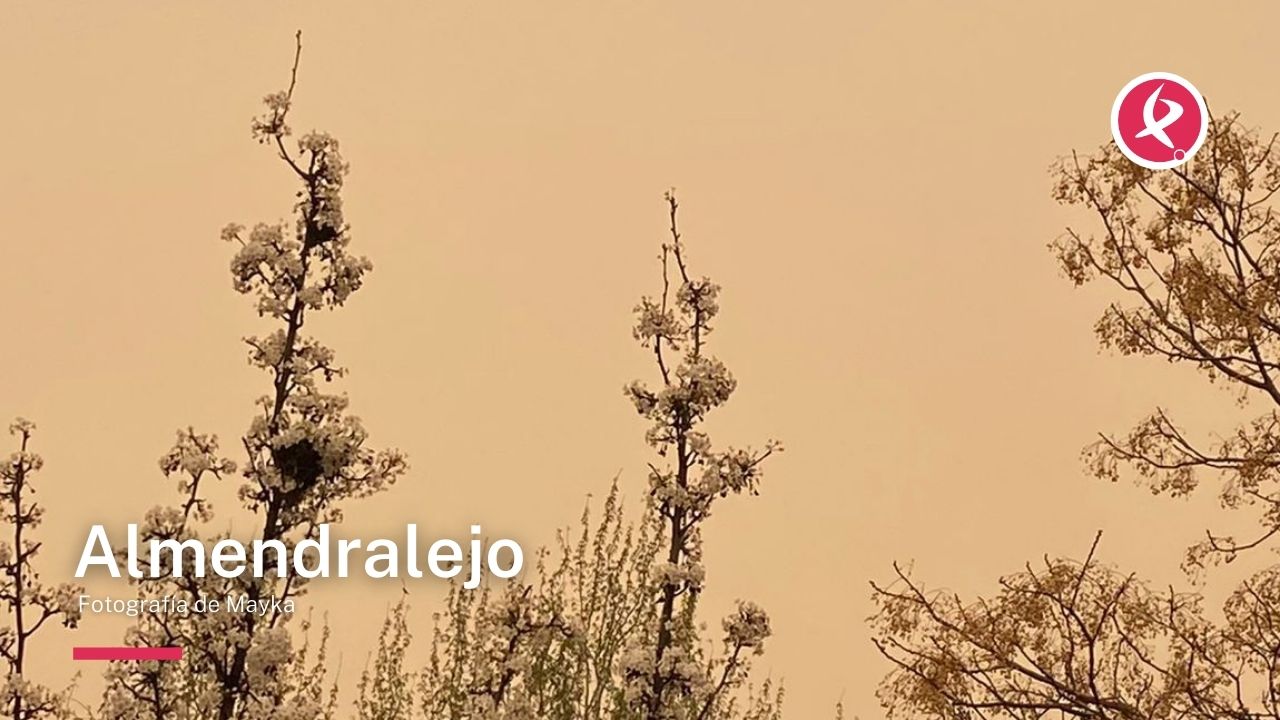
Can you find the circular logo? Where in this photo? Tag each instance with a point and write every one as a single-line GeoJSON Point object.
{"type": "Point", "coordinates": [1159, 120]}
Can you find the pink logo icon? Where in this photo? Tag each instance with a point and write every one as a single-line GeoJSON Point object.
{"type": "Point", "coordinates": [1159, 120]}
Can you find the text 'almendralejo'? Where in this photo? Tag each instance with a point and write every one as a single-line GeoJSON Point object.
{"type": "Point", "coordinates": [316, 557]}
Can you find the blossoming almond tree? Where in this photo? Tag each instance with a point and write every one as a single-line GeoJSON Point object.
{"type": "Point", "coordinates": [664, 674]}
{"type": "Point", "coordinates": [305, 457]}
{"type": "Point", "coordinates": [31, 604]}
{"type": "Point", "coordinates": [610, 630]}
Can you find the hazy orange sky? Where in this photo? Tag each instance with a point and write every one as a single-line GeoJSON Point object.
{"type": "Point", "coordinates": [868, 183]}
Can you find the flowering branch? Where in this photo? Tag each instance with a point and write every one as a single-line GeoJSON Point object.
{"type": "Point", "coordinates": [305, 454]}
{"type": "Point", "coordinates": [694, 476]}
{"type": "Point", "coordinates": [31, 604]}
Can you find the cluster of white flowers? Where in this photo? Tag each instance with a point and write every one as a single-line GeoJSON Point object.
{"type": "Point", "coordinates": [655, 322]}
{"type": "Point", "coordinates": [271, 125]}
{"type": "Point", "coordinates": [747, 627]}
{"type": "Point", "coordinates": [687, 575]}
{"type": "Point", "coordinates": [699, 299]}
{"type": "Point", "coordinates": [684, 675]}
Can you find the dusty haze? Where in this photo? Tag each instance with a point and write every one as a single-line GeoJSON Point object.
{"type": "Point", "coordinates": [868, 183]}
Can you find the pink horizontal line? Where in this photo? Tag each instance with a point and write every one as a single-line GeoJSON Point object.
{"type": "Point", "coordinates": [126, 653]}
